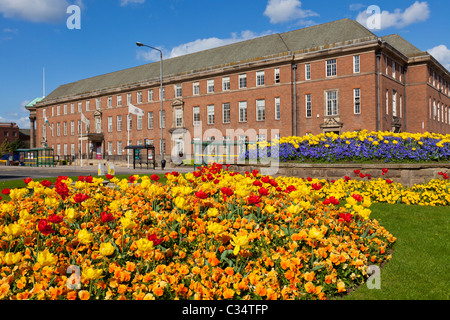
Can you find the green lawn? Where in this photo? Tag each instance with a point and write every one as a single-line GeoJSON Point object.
{"type": "Point", "coordinates": [419, 269]}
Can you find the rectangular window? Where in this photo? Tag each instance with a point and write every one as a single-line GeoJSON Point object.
{"type": "Point", "coordinates": [58, 149]}
{"type": "Point", "coordinates": [356, 64]}
{"type": "Point", "coordinates": [277, 75]}
{"type": "Point", "coordinates": [210, 85]}
{"type": "Point", "coordinates": [58, 129]}
{"type": "Point", "coordinates": [65, 109]}
{"type": "Point", "coordinates": [394, 103]}
{"type": "Point", "coordinates": [434, 110]}
{"type": "Point", "coordinates": [80, 107]}
{"type": "Point", "coordinates": [65, 128]}
{"type": "Point", "coordinates": [162, 145]}
{"type": "Point", "coordinates": [72, 108]}
{"type": "Point", "coordinates": [110, 124]}
{"type": "Point", "coordinates": [72, 128]}
{"type": "Point", "coordinates": [162, 119]}
{"type": "Point", "coordinates": [178, 91]}
{"type": "Point", "coordinates": [72, 149]}
{"type": "Point", "coordinates": [88, 105]}
{"type": "Point", "coordinates": [79, 126]}
{"type": "Point", "coordinates": [178, 118]}
{"type": "Point", "coordinates": [260, 110]}
{"type": "Point", "coordinates": [243, 111]}
{"type": "Point", "coordinates": [65, 149]}
{"type": "Point", "coordinates": [119, 148]}
{"type": "Point", "coordinates": [150, 120]}
{"type": "Point", "coordinates": [150, 95]}
{"type": "Point", "coordinates": [225, 83]}
{"type": "Point", "coordinates": [98, 104]}
{"type": "Point", "coordinates": [260, 137]}
{"type": "Point", "coordinates": [387, 101]}
{"type": "Point", "coordinates": [226, 112]}
{"type": "Point", "coordinates": [307, 71]}
{"type": "Point", "coordinates": [128, 98]}
{"type": "Point", "coordinates": [139, 97]}
{"type": "Point", "coordinates": [242, 81]}
{"type": "Point", "coordinates": [163, 95]}
{"type": "Point", "coordinates": [331, 67]}
{"type": "Point", "coordinates": [308, 105]}
{"type": "Point", "coordinates": [332, 103]}
{"type": "Point", "coordinates": [119, 123]}
{"type": "Point", "coordinates": [260, 78]}
{"type": "Point", "coordinates": [277, 109]}
{"type": "Point", "coordinates": [109, 102]}
{"type": "Point", "coordinates": [196, 88]}
{"type": "Point", "coordinates": [129, 122]}
{"type": "Point", "coordinates": [110, 148]}
{"type": "Point", "coordinates": [210, 114]}
{"type": "Point", "coordinates": [119, 100]}
{"type": "Point", "coordinates": [393, 69]}
{"type": "Point", "coordinates": [139, 122]}
{"type": "Point", "coordinates": [196, 115]}
{"type": "Point", "coordinates": [357, 101]}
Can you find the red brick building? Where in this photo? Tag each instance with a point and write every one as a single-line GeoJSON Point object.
{"type": "Point", "coordinates": [337, 77]}
{"type": "Point", "coordinates": [8, 131]}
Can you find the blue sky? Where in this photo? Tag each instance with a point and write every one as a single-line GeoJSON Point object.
{"type": "Point", "coordinates": [34, 34]}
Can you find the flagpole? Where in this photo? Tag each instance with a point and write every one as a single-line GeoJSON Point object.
{"type": "Point", "coordinates": [128, 141]}
{"type": "Point", "coordinates": [81, 153]}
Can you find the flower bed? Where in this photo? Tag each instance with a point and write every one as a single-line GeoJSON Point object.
{"type": "Point", "coordinates": [211, 234]}
{"type": "Point", "coordinates": [357, 146]}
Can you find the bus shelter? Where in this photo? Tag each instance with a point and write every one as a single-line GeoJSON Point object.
{"type": "Point", "coordinates": [43, 157]}
{"type": "Point", "coordinates": [143, 155]}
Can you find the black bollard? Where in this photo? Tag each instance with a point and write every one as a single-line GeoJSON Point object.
{"type": "Point", "coordinates": [163, 164]}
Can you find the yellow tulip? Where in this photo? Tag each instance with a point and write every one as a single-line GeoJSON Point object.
{"type": "Point", "coordinates": [216, 228]}
{"type": "Point", "coordinates": [212, 212]}
{"type": "Point", "coordinates": [144, 245]}
{"type": "Point", "coordinates": [293, 209]}
{"type": "Point", "coordinates": [239, 242]}
{"type": "Point", "coordinates": [127, 223]}
{"type": "Point", "coordinates": [45, 258]}
{"type": "Point", "coordinates": [315, 234]}
{"type": "Point", "coordinates": [92, 274]}
{"type": "Point", "coordinates": [85, 237]}
{"type": "Point", "coordinates": [270, 209]}
{"type": "Point", "coordinates": [12, 258]}
{"type": "Point", "coordinates": [14, 230]}
{"type": "Point", "coordinates": [181, 203]}
{"type": "Point", "coordinates": [106, 249]}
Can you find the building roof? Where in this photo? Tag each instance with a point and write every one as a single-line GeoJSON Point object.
{"type": "Point", "coordinates": [298, 41]}
{"type": "Point", "coordinates": [32, 103]}
{"type": "Point", "coordinates": [403, 46]}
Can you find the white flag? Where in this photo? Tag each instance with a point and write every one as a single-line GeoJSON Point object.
{"type": "Point", "coordinates": [135, 110]}
{"type": "Point", "coordinates": [84, 119]}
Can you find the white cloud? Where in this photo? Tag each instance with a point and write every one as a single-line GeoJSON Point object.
{"type": "Point", "coordinates": [417, 12]}
{"type": "Point", "coordinates": [280, 11]}
{"type": "Point", "coordinates": [442, 54]}
{"type": "Point", "coordinates": [198, 45]}
{"type": "Point", "coordinates": [49, 11]}
{"type": "Point", "coordinates": [126, 2]}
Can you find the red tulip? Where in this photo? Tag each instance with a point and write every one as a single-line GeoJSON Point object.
{"type": "Point", "coordinates": [6, 191]}
{"type": "Point", "coordinates": [316, 186]}
{"type": "Point", "coordinates": [106, 217]}
{"type": "Point", "coordinates": [201, 195]}
{"type": "Point", "coordinates": [46, 183]}
{"type": "Point", "coordinates": [53, 218]}
{"type": "Point", "coordinates": [154, 177]}
{"type": "Point", "coordinates": [27, 180]}
{"type": "Point", "coordinates": [45, 228]}
{"type": "Point", "coordinates": [263, 191]}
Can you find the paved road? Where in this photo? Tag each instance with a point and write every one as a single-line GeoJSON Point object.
{"type": "Point", "coordinates": [15, 173]}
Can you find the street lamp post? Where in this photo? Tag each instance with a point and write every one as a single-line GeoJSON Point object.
{"type": "Point", "coordinates": [163, 161]}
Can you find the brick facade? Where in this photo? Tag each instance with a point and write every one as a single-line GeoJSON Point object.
{"type": "Point", "coordinates": [384, 77]}
{"type": "Point", "coordinates": [9, 132]}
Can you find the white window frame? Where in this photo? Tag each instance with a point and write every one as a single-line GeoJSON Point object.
{"type": "Point", "coordinates": [139, 97]}
{"type": "Point", "coordinates": [226, 113]}
{"type": "Point", "coordinates": [277, 108]}
{"type": "Point", "coordinates": [210, 112]}
{"type": "Point", "coordinates": [196, 115]}
{"type": "Point", "coordinates": [308, 71]}
{"type": "Point", "coordinates": [357, 101]}
{"type": "Point", "coordinates": [277, 77]}
{"type": "Point", "coordinates": [119, 148]}
{"type": "Point", "coordinates": [119, 123]}
{"type": "Point", "coordinates": [394, 103]}
{"type": "Point", "coordinates": [150, 95]}
{"type": "Point", "coordinates": [109, 103]}
{"type": "Point", "coordinates": [178, 118]}
{"type": "Point", "coordinates": [150, 120]}
{"type": "Point", "coordinates": [226, 84]}
{"type": "Point", "coordinates": [260, 110]}
{"type": "Point", "coordinates": [308, 105]}
{"type": "Point", "coordinates": [332, 103]}
{"type": "Point", "coordinates": [162, 119]}
{"type": "Point", "coordinates": [331, 68]}
{"type": "Point", "coordinates": [119, 100]}
{"type": "Point", "coordinates": [243, 81]}
{"type": "Point", "coordinates": [260, 78]}
{"type": "Point", "coordinates": [110, 124]}
{"type": "Point", "coordinates": [210, 86]}
{"type": "Point", "coordinates": [242, 111]}
{"type": "Point", "coordinates": [178, 91]}
{"type": "Point", "coordinates": [357, 64]}
{"type": "Point", "coordinates": [139, 122]}
{"type": "Point", "coordinates": [72, 128]}
{"type": "Point", "coordinates": [196, 88]}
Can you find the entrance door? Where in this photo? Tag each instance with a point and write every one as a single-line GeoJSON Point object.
{"type": "Point", "coordinates": [99, 151]}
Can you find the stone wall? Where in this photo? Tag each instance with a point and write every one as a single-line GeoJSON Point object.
{"type": "Point", "coordinates": [406, 174]}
